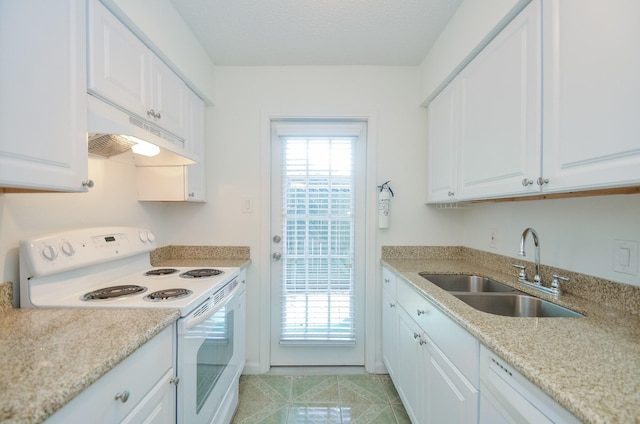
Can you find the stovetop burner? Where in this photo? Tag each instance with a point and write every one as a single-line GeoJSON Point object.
{"type": "Point", "coordinates": [167, 294]}
{"type": "Point", "coordinates": [114, 292]}
{"type": "Point", "coordinates": [161, 271]}
{"type": "Point", "coordinates": [201, 273]}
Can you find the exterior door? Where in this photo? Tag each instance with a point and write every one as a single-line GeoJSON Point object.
{"type": "Point", "coordinates": [317, 231]}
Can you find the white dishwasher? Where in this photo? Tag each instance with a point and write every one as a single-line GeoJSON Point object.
{"type": "Point", "coordinates": [506, 396]}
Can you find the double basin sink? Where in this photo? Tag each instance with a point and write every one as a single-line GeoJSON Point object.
{"type": "Point", "coordinates": [487, 295]}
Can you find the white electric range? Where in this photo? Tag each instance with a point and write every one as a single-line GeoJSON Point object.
{"type": "Point", "coordinates": [109, 267]}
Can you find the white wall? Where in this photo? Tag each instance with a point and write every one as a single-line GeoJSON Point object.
{"type": "Point", "coordinates": [112, 201]}
{"type": "Point", "coordinates": [235, 163]}
{"type": "Point", "coordinates": [575, 234]}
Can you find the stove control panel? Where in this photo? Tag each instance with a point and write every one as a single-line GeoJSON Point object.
{"type": "Point", "coordinates": [64, 251]}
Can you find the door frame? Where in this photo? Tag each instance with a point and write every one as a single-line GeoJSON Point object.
{"type": "Point", "coordinates": [371, 298]}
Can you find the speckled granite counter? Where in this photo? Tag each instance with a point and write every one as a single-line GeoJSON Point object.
{"type": "Point", "coordinates": [47, 356]}
{"type": "Point", "coordinates": [205, 256]}
{"type": "Point", "coordinates": [590, 365]}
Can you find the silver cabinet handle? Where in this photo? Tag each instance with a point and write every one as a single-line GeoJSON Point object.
{"type": "Point", "coordinates": [450, 193]}
{"type": "Point", "coordinates": [421, 312]}
{"type": "Point", "coordinates": [526, 182]}
{"type": "Point", "coordinates": [416, 335]}
{"type": "Point", "coordinates": [87, 183]}
{"type": "Point", "coordinates": [276, 256]}
{"type": "Point", "coordinates": [123, 396]}
{"type": "Point", "coordinates": [174, 381]}
{"type": "Point", "coordinates": [542, 181]}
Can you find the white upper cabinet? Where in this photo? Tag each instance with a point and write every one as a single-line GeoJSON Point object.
{"type": "Point", "coordinates": [184, 182]}
{"type": "Point", "coordinates": [126, 73]}
{"type": "Point", "coordinates": [119, 63]}
{"type": "Point", "coordinates": [591, 90]}
{"type": "Point", "coordinates": [484, 127]}
{"type": "Point", "coordinates": [442, 115]}
{"type": "Point", "coordinates": [43, 108]}
{"type": "Point", "coordinates": [499, 123]}
{"type": "Point", "coordinates": [168, 98]}
{"type": "Point", "coordinates": [550, 105]}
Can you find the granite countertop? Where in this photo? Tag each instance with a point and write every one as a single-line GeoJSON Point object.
{"type": "Point", "coordinates": [201, 256]}
{"type": "Point", "coordinates": [590, 365]}
{"type": "Point", "coordinates": [48, 356]}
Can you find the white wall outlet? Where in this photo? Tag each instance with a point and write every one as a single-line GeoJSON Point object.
{"type": "Point", "coordinates": [625, 256]}
{"type": "Point", "coordinates": [493, 238]}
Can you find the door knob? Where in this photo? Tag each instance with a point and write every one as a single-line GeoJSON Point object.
{"type": "Point", "coordinates": [276, 256]}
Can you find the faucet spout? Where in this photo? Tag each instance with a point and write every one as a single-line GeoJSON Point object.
{"type": "Point", "coordinates": [536, 243]}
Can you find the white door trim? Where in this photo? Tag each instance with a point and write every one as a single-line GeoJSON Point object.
{"type": "Point", "coordinates": [371, 297]}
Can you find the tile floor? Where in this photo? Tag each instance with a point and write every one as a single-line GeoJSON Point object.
{"type": "Point", "coordinates": [327, 399]}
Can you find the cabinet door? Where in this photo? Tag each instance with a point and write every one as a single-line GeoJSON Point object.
{"type": "Point", "coordinates": [442, 141]}
{"type": "Point", "coordinates": [168, 98]}
{"type": "Point", "coordinates": [43, 106]}
{"type": "Point", "coordinates": [159, 406]}
{"type": "Point", "coordinates": [389, 333]}
{"type": "Point", "coordinates": [500, 92]}
{"type": "Point", "coordinates": [195, 143]}
{"type": "Point", "coordinates": [591, 92]}
{"type": "Point", "coordinates": [451, 398]}
{"type": "Point", "coordinates": [119, 68]}
{"type": "Point", "coordinates": [411, 371]}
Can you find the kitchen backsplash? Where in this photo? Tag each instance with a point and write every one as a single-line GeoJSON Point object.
{"type": "Point", "coordinates": [615, 295]}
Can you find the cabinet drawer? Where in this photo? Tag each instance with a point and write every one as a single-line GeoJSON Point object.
{"type": "Point", "coordinates": [457, 344]}
{"type": "Point", "coordinates": [137, 375]}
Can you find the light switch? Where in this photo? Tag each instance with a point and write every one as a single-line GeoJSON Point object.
{"type": "Point", "coordinates": [625, 257]}
{"type": "Point", "coordinates": [247, 205]}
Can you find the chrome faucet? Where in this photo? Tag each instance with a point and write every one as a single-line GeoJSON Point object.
{"type": "Point", "coordinates": [554, 288]}
{"type": "Point", "coordinates": [536, 242]}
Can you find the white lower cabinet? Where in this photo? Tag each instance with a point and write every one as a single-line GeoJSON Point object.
{"type": "Point", "coordinates": [444, 375]}
{"type": "Point", "coordinates": [389, 321]}
{"type": "Point", "coordinates": [435, 363]}
{"type": "Point", "coordinates": [138, 390]}
{"type": "Point", "coordinates": [411, 368]}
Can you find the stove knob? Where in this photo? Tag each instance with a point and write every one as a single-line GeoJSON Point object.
{"type": "Point", "coordinates": [144, 237]}
{"type": "Point", "coordinates": [151, 237]}
{"type": "Point", "coordinates": [49, 252]}
{"type": "Point", "coordinates": [68, 249]}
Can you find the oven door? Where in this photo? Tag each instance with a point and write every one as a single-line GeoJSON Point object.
{"type": "Point", "coordinates": [211, 356]}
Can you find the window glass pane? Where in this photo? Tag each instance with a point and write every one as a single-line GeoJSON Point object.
{"type": "Point", "coordinates": [318, 228]}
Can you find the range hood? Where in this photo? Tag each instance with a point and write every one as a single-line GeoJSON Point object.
{"type": "Point", "coordinates": [113, 131]}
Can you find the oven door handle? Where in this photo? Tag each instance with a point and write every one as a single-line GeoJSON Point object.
{"type": "Point", "coordinates": [193, 321]}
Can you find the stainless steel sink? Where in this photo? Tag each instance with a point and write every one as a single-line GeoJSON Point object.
{"type": "Point", "coordinates": [515, 305]}
{"type": "Point", "coordinates": [467, 283]}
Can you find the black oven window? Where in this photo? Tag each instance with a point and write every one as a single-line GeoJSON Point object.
{"type": "Point", "coordinates": [214, 354]}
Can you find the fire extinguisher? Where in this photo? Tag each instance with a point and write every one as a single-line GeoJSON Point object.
{"type": "Point", "coordinates": [384, 199]}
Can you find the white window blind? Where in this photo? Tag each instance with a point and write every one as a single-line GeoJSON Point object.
{"type": "Point", "coordinates": [318, 240]}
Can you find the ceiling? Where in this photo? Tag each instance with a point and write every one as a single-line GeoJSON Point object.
{"type": "Point", "coordinates": [316, 32]}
